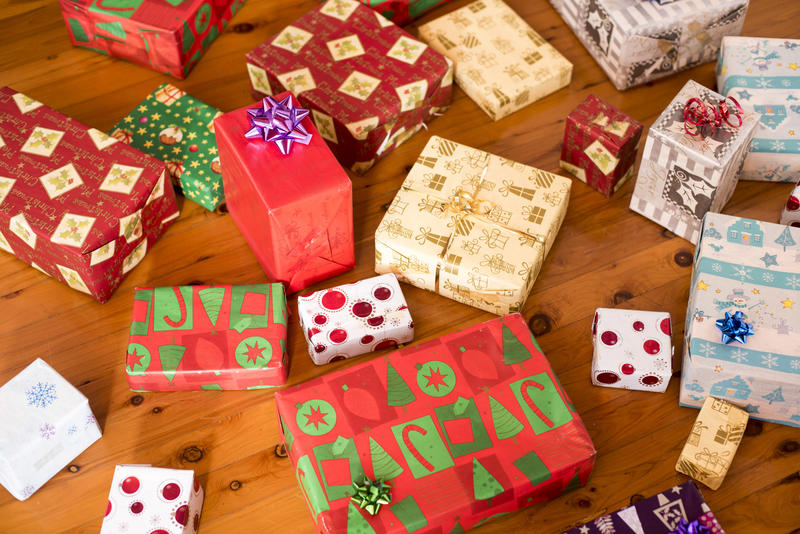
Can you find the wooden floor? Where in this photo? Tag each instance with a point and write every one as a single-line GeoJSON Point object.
{"type": "Point", "coordinates": [605, 255]}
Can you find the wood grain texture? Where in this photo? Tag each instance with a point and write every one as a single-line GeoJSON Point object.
{"type": "Point", "coordinates": [605, 255]}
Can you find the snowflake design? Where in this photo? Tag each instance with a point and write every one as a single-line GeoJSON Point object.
{"type": "Point", "coordinates": [793, 281]}
{"type": "Point", "coordinates": [742, 272]}
{"type": "Point", "coordinates": [739, 356]}
{"type": "Point", "coordinates": [778, 146]}
{"type": "Point", "coordinates": [28, 491]}
{"type": "Point", "coordinates": [707, 349]}
{"type": "Point", "coordinates": [41, 394]}
{"type": "Point", "coordinates": [762, 83]}
{"type": "Point", "coordinates": [769, 360]}
{"type": "Point", "coordinates": [47, 431]}
{"type": "Point", "coordinates": [72, 430]}
{"type": "Point", "coordinates": [716, 267]}
{"type": "Point", "coordinates": [795, 364]}
{"type": "Point", "coordinates": [768, 277]}
{"type": "Point", "coordinates": [90, 420]}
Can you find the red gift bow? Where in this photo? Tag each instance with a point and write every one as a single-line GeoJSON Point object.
{"type": "Point", "coordinates": [699, 116]}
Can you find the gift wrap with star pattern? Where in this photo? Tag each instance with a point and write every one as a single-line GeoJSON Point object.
{"type": "Point", "coordinates": [637, 41]}
{"type": "Point", "coordinates": [761, 74]}
{"type": "Point", "coordinates": [471, 226]}
{"type": "Point", "coordinates": [76, 204]}
{"type": "Point", "coordinates": [682, 177]}
{"type": "Point", "coordinates": [178, 129]}
{"type": "Point", "coordinates": [368, 83]}
{"type": "Point", "coordinates": [751, 267]}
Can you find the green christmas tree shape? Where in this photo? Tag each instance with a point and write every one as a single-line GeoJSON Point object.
{"type": "Point", "coordinates": [383, 465]}
{"type": "Point", "coordinates": [457, 529]}
{"type": "Point", "coordinates": [212, 297]}
{"type": "Point", "coordinates": [484, 484]}
{"type": "Point", "coordinates": [785, 239]}
{"type": "Point", "coordinates": [170, 356]}
{"type": "Point", "coordinates": [574, 484]}
{"type": "Point", "coordinates": [513, 350]}
{"type": "Point", "coordinates": [397, 391]}
{"type": "Point", "coordinates": [356, 524]}
{"type": "Point", "coordinates": [505, 424]}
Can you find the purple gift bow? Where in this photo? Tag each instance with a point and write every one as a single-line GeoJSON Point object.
{"type": "Point", "coordinates": [279, 123]}
{"type": "Point", "coordinates": [694, 527]}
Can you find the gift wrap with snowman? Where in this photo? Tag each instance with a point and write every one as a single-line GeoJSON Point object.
{"type": "Point", "coordinates": [471, 226]}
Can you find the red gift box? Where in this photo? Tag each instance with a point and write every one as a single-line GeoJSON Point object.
{"type": "Point", "coordinates": [370, 85]}
{"type": "Point", "coordinates": [165, 35]}
{"type": "Point", "coordinates": [296, 210]}
{"type": "Point", "coordinates": [402, 12]}
{"type": "Point", "coordinates": [463, 428]}
{"type": "Point", "coordinates": [600, 144]}
{"type": "Point", "coordinates": [207, 337]}
{"type": "Point", "coordinates": [75, 203]}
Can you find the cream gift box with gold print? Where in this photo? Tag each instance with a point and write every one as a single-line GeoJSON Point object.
{"type": "Point", "coordinates": [501, 63]}
{"type": "Point", "coordinates": [471, 226]}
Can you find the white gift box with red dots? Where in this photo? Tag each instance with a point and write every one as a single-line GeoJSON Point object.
{"type": "Point", "coordinates": [632, 349]}
{"type": "Point", "coordinates": [153, 500]}
{"type": "Point", "coordinates": [791, 211]}
{"type": "Point", "coordinates": [354, 319]}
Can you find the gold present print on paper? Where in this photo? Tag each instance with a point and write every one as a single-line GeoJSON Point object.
{"type": "Point", "coordinates": [497, 264]}
{"type": "Point", "coordinates": [25, 103]}
{"type": "Point", "coordinates": [601, 157]}
{"type": "Point", "coordinates": [42, 141]}
{"type": "Point", "coordinates": [339, 9]}
{"type": "Point", "coordinates": [292, 39]}
{"type": "Point", "coordinates": [508, 188]}
{"type": "Point", "coordinates": [259, 79]}
{"type": "Point", "coordinates": [4, 244]}
{"type": "Point", "coordinates": [412, 95]}
{"type": "Point", "coordinates": [72, 230]}
{"type": "Point", "coordinates": [360, 129]}
{"type": "Point", "coordinates": [100, 139]}
{"type": "Point", "coordinates": [20, 227]}
{"type": "Point", "coordinates": [6, 185]}
{"type": "Point", "coordinates": [395, 229]}
{"type": "Point", "coordinates": [121, 179]}
{"type": "Point", "coordinates": [169, 94]}
{"type": "Point", "coordinates": [103, 253]}
{"type": "Point", "coordinates": [72, 278]}
{"type": "Point", "coordinates": [345, 48]}
{"type": "Point", "coordinates": [494, 238]}
{"type": "Point", "coordinates": [397, 207]}
{"type": "Point", "coordinates": [136, 255]}
{"type": "Point", "coordinates": [298, 80]}
{"type": "Point", "coordinates": [359, 85]}
{"type": "Point", "coordinates": [61, 180]}
{"type": "Point", "coordinates": [325, 125]}
{"type": "Point", "coordinates": [130, 227]}
{"type": "Point", "coordinates": [407, 50]}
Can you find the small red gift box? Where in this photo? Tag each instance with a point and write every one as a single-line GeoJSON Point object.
{"type": "Point", "coordinates": [600, 144]}
{"type": "Point", "coordinates": [294, 210]}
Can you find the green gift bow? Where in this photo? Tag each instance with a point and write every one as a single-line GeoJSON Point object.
{"type": "Point", "coordinates": [371, 495]}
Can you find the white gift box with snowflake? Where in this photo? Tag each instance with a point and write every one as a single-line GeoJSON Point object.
{"type": "Point", "coordinates": [45, 423]}
{"type": "Point", "coordinates": [753, 267]}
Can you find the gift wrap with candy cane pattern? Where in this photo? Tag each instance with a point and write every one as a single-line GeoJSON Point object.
{"type": "Point", "coordinates": [45, 423]}
{"type": "Point", "coordinates": [682, 177]}
{"type": "Point", "coordinates": [471, 226]}
{"type": "Point", "coordinates": [791, 211]}
{"type": "Point", "coordinates": [762, 75]}
{"type": "Point", "coordinates": [637, 41]}
{"type": "Point", "coordinates": [463, 428]}
{"type": "Point", "coordinates": [752, 267]}
{"type": "Point", "coordinates": [501, 63]}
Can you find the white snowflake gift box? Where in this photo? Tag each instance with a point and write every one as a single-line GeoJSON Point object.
{"type": "Point", "coordinates": [691, 159]}
{"type": "Point", "coordinates": [632, 349]}
{"type": "Point", "coordinates": [751, 267]}
{"type": "Point", "coordinates": [354, 319]}
{"type": "Point", "coordinates": [45, 423]}
{"type": "Point", "coordinates": [153, 500]}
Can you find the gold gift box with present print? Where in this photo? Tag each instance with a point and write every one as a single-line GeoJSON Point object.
{"type": "Point", "coordinates": [471, 226]}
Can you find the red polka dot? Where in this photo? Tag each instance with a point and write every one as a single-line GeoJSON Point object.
{"type": "Point", "coordinates": [320, 319]}
{"type": "Point", "coordinates": [666, 326]}
{"type": "Point", "coordinates": [382, 293]}
{"type": "Point", "coordinates": [171, 491]}
{"type": "Point", "coordinates": [194, 148]}
{"type": "Point", "coordinates": [366, 340]}
{"type": "Point", "coordinates": [607, 378]}
{"type": "Point", "coordinates": [627, 369]}
{"type": "Point", "coordinates": [137, 507]}
{"type": "Point", "coordinates": [793, 204]}
{"type": "Point", "coordinates": [594, 324]}
{"type": "Point", "coordinates": [362, 309]}
{"type": "Point", "coordinates": [143, 119]}
{"type": "Point", "coordinates": [337, 358]}
{"type": "Point", "coordinates": [182, 514]}
{"type": "Point", "coordinates": [651, 346]}
{"type": "Point", "coordinates": [130, 485]}
{"type": "Point", "coordinates": [319, 348]}
{"type": "Point", "coordinates": [159, 531]}
{"type": "Point", "coordinates": [650, 380]}
{"type": "Point", "coordinates": [609, 338]}
{"type": "Point", "coordinates": [375, 321]}
{"type": "Point", "coordinates": [109, 506]}
{"type": "Point", "coordinates": [338, 335]}
{"type": "Point", "coordinates": [312, 332]}
{"type": "Point", "coordinates": [638, 326]}
{"type": "Point", "coordinates": [385, 344]}
{"type": "Point", "coordinates": [333, 300]}
{"type": "Point", "coordinates": [411, 325]}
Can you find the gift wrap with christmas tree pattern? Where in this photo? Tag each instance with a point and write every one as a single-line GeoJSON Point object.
{"type": "Point", "coordinates": [75, 203]}
{"type": "Point", "coordinates": [402, 12]}
{"type": "Point", "coordinates": [179, 130]}
{"type": "Point", "coordinates": [471, 226]}
{"type": "Point", "coordinates": [637, 41]}
{"type": "Point", "coordinates": [753, 267]}
{"type": "Point", "coordinates": [207, 337]}
{"type": "Point", "coordinates": [464, 428]}
{"type": "Point", "coordinates": [682, 177]}
{"type": "Point", "coordinates": [501, 63]}
{"type": "Point", "coordinates": [761, 74]}
{"type": "Point", "coordinates": [712, 442]}
{"type": "Point", "coordinates": [791, 211]}
{"type": "Point", "coordinates": [368, 83]}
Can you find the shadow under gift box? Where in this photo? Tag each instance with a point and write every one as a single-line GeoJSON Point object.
{"type": "Point", "coordinates": [295, 211]}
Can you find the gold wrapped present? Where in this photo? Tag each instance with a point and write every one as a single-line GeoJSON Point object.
{"type": "Point", "coordinates": [471, 226]}
{"type": "Point", "coordinates": [713, 441]}
{"type": "Point", "coordinates": [501, 63]}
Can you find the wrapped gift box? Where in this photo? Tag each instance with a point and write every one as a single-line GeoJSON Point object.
{"type": "Point", "coordinates": [370, 85]}
{"type": "Point", "coordinates": [462, 428]}
{"type": "Point", "coordinates": [168, 36]}
{"type": "Point", "coordinates": [75, 203]}
{"type": "Point", "coordinates": [207, 337]}
{"type": "Point", "coordinates": [632, 349]}
{"type": "Point", "coordinates": [682, 177]}
{"type": "Point", "coordinates": [44, 425]}
{"type": "Point", "coordinates": [712, 442]}
{"type": "Point", "coordinates": [760, 73]}
{"type": "Point", "coordinates": [178, 129]}
{"type": "Point", "coordinates": [501, 63]}
{"type": "Point", "coordinates": [295, 210]}
{"type": "Point", "coordinates": [353, 319]}
{"type": "Point", "coordinates": [659, 514]}
{"type": "Point", "coordinates": [402, 11]}
{"type": "Point", "coordinates": [791, 215]}
{"type": "Point", "coordinates": [638, 41]}
{"type": "Point", "coordinates": [153, 499]}
{"type": "Point", "coordinates": [471, 226]}
{"type": "Point", "coordinates": [600, 145]}
{"type": "Point", "coordinates": [752, 267]}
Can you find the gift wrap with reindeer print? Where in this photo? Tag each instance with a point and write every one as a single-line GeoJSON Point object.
{"type": "Point", "coordinates": [682, 177]}
{"type": "Point", "coordinates": [751, 267]}
{"type": "Point", "coordinates": [637, 41]}
{"type": "Point", "coordinates": [471, 226]}
{"type": "Point", "coordinates": [467, 427]}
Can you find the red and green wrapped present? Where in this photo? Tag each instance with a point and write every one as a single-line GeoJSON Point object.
{"type": "Point", "coordinates": [290, 198]}
{"type": "Point", "coordinates": [207, 337]}
{"type": "Point", "coordinates": [437, 437]}
{"type": "Point", "coordinates": [165, 35]}
{"type": "Point", "coordinates": [75, 203]}
{"type": "Point", "coordinates": [179, 129]}
{"type": "Point", "coordinates": [600, 145]}
{"type": "Point", "coordinates": [368, 83]}
{"type": "Point", "coordinates": [402, 12]}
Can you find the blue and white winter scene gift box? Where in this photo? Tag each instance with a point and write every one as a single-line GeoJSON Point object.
{"type": "Point", "coordinates": [762, 74]}
{"type": "Point", "coordinates": [45, 423]}
{"type": "Point", "coordinates": [749, 270]}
